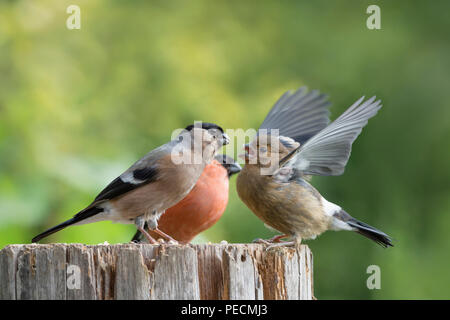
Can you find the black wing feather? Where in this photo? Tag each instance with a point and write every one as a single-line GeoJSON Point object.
{"type": "Point", "coordinates": [146, 174]}
{"type": "Point", "coordinates": [119, 187]}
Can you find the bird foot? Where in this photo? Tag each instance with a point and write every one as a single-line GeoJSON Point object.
{"type": "Point", "coordinates": [281, 244]}
{"type": "Point", "coordinates": [262, 241]}
{"type": "Point", "coordinates": [162, 241]}
{"type": "Point", "coordinates": [275, 239]}
{"type": "Point", "coordinates": [169, 239]}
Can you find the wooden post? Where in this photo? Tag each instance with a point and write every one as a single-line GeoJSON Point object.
{"type": "Point", "coordinates": [143, 271]}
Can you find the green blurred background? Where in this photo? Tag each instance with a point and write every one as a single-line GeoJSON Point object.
{"type": "Point", "coordinates": [77, 107]}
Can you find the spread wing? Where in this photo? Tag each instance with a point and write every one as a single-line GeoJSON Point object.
{"type": "Point", "coordinates": [298, 115]}
{"type": "Point", "coordinates": [327, 152]}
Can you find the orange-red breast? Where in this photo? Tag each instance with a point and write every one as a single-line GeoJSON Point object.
{"type": "Point", "coordinates": [203, 206]}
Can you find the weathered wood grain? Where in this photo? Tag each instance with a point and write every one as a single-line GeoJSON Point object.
{"type": "Point", "coordinates": [132, 280]}
{"type": "Point", "coordinates": [176, 274]}
{"type": "Point", "coordinates": [80, 256]}
{"type": "Point", "coordinates": [210, 272]}
{"type": "Point", "coordinates": [8, 267]}
{"type": "Point", "coordinates": [239, 274]}
{"type": "Point", "coordinates": [143, 271]}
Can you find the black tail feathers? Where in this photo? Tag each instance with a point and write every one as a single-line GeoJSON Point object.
{"type": "Point", "coordinates": [53, 230]}
{"type": "Point", "coordinates": [370, 232]}
{"type": "Point", "coordinates": [137, 238]}
{"type": "Point", "coordinates": [89, 212]}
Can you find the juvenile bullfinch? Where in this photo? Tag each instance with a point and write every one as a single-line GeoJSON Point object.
{"type": "Point", "coordinates": [154, 183]}
{"type": "Point", "coordinates": [203, 206]}
{"type": "Point", "coordinates": [305, 145]}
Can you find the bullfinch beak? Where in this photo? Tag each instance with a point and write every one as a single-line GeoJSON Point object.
{"type": "Point", "coordinates": [229, 164]}
{"type": "Point", "coordinates": [233, 169]}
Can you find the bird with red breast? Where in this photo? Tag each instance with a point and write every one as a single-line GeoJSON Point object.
{"type": "Point", "coordinates": [202, 207]}
{"type": "Point", "coordinates": [157, 181]}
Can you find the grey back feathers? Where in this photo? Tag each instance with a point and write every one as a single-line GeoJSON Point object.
{"type": "Point", "coordinates": [143, 171]}
{"type": "Point", "coordinates": [328, 151]}
{"type": "Point", "coordinates": [298, 115]}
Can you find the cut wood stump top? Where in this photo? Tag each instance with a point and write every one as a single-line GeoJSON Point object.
{"type": "Point", "coordinates": [143, 271]}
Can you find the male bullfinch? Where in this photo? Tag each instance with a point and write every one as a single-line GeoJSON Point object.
{"type": "Point", "coordinates": [305, 145]}
{"type": "Point", "coordinates": [203, 206]}
{"type": "Point", "coordinates": [154, 183]}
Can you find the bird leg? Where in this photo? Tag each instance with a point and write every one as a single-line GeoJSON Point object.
{"type": "Point", "coordinates": [165, 235]}
{"type": "Point", "coordinates": [278, 238]}
{"type": "Point", "coordinates": [152, 224]}
{"type": "Point", "coordinates": [140, 224]}
{"type": "Point", "coordinates": [148, 236]}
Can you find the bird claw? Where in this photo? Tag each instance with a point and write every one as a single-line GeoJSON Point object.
{"type": "Point", "coordinates": [274, 239]}
{"type": "Point", "coordinates": [281, 244]}
{"type": "Point", "coordinates": [172, 241]}
{"type": "Point", "coordinates": [275, 242]}
{"type": "Point", "coordinates": [262, 241]}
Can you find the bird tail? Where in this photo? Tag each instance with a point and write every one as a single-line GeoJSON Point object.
{"type": "Point", "coordinates": [138, 236]}
{"type": "Point", "coordinates": [84, 214]}
{"type": "Point", "coordinates": [370, 232]}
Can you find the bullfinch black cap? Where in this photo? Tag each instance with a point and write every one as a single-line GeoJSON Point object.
{"type": "Point", "coordinates": [206, 126]}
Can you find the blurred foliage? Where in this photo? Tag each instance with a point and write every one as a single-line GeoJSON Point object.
{"type": "Point", "coordinates": [77, 107]}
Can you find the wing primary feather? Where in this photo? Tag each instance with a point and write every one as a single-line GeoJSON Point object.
{"type": "Point", "coordinates": [298, 115]}
{"type": "Point", "coordinates": [327, 152]}
{"type": "Point", "coordinates": [118, 187]}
